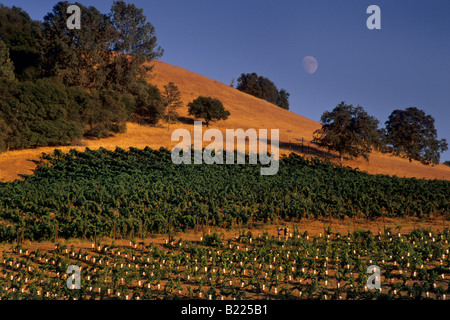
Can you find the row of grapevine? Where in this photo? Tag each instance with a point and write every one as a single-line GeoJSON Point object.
{"type": "Point", "coordinates": [325, 266]}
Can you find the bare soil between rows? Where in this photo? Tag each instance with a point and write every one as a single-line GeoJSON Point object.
{"type": "Point", "coordinates": [312, 226]}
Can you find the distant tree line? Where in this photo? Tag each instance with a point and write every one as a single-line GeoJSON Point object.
{"type": "Point", "coordinates": [409, 133]}
{"type": "Point", "coordinates": [263, 88]}
{"type": "Point", "coordinates": [59, 84]}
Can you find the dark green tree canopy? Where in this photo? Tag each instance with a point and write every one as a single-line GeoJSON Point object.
{"type": "Point", "coordinates": [347, 130]}
{"type": "Point", "coordinates": [132, 33]}
{"type": "Point", "coordinates": [134, 38]}
{"type": "Point", "coordinates": [411, 133]}
{"type": "Point", "coordinates": [58, 84]}
{"type": "Point", "coordinates": [149, 105]}
{"type": "Point", "coordinates": [22, 36]}
{"type": "Point", "coordinates": [208, 109]}
{"type": "Point", "coordinates": [263, 88]}
{"type": "Point", "coordinates": [79, 56]}
{"type": "Point", "coordinates": [106, 114]}
{"type": "Point", "coordinates": [112, 56]}
{"type": "Point", "coordinates": [39, 114]}
{"type": "Point", "coordinates": [6, 65]}
{"type": "Point", "coordinates": [283, 99]}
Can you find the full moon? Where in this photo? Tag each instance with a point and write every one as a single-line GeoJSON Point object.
{"type": "Point", "coordinates": [310, 64]}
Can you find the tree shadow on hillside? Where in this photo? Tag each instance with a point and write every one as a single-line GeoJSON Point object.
{"type": "Point", "coordinates": [305, 148]}
{"type": "Point", "coordinates": [186, 120]}
{"type": "Point", "coordinates": [300, 146]}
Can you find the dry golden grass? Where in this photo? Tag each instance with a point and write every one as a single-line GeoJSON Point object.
{"type": "Point", "coordinates": [246, 112]}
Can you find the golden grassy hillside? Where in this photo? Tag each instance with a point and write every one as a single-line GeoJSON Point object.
{"type": "Point", "coordinates": [246, 112]}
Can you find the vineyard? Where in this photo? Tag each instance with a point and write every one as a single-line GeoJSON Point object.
{"type": "Point", "coordinates": [109, 196]}
{"type": "Point", "coordinates": [329, 266]}
{"type": "Point", "coordinates": [134, 193]}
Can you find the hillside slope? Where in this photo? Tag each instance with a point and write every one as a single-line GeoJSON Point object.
{"type": "Point", "coordinates": [246, 112]}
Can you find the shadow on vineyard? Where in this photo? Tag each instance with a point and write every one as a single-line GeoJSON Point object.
{"type": "Point", "coordinates": [139, 192]}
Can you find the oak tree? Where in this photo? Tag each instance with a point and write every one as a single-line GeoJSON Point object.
{"type": "Point", "coordinates": [208, 109]}
{"type": "Point", "coordinates": [347, 130]}
{"type": "Point", "coordinates": [411, 134]}
{"type": "Point", "coordinates": [263, 88]}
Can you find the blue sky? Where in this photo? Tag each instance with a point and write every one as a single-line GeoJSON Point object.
{"type": "Point", "coordinates": [404, 64]}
